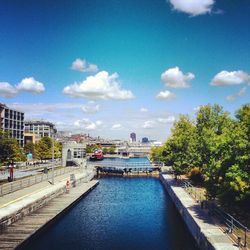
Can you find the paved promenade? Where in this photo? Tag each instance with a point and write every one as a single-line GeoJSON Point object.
{"type": "Point", "coordinates": [26, 211]}
{"type": "Point", "coordinates": [24, 192]}
{"type": "Point", "coordinates": [207, 235]}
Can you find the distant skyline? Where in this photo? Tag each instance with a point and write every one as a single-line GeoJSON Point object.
{"type": "Point", "coordinates": [110, 68]}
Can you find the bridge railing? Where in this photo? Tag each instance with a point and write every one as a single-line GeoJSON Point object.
{"type": "Point", "coordinates": [113, 164]}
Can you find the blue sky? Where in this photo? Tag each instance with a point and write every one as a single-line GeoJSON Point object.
{"type": "Point", "coordinates": [109, 68]}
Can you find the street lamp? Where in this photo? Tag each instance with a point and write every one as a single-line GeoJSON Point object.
{"type": "Point", "coordinates": [53, 152]}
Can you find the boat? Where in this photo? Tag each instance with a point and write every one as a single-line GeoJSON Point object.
{"type": "Point", "coordinates": [97, 155]}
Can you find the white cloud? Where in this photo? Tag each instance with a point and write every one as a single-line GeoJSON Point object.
{"type": "Point", "coordinates": [116, 126]}
{"type": "Point", "coordinates": [148, 124]}
{"type": "Point", "coordinates": [225, 78]}
{"type": "Point", "coordinates": [29, 84]}
{"type": "Point", "coordinates": [100, 86]}
{"type": "Point", "coordinates": [88, 124]}
{"type": "Point", "coordinates": [193, 7]}
{"type": "Point", "coordinates": [169, 119]}
{"type": "Point", "coordinates": [7, 90]}
{"type": "Point", "coordinates": [241, 92]}
{"type": "Point", "coordinates": [166, 95]}
{"type": "Point", "coordinates": [83, 66]}
{"type": "Point", "coordinates": [91, 107]}
{"type": "Point", "coordinates": [175, 78]}
{"type": "Point", "coordinates": [144, 110]}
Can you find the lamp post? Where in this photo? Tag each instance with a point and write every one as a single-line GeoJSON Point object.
{"type": "Point", "coordinates": [53, 168]}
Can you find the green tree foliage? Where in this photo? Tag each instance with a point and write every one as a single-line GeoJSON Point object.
{"type": "Point", "coordinates": [90, 148]}
{"type": "Point", "coordinates": [218, 146]}
{"type": "Point", "coordinates": [112, 150]}
{"type": "Point", "coordinates": [10, 149]}
{"type": "Point", "coordinates": [43, 149]}
{"type": "Point", "coordinates": [30, 148]}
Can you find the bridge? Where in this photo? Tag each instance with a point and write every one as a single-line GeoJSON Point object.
{"type": "Point", "coordinates": [123, 165]}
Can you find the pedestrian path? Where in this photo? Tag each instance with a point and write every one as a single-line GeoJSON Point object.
{"type": "Point", "coordinates": [20, 231]}
{"type": "Point", "coordinates": [24, 192]}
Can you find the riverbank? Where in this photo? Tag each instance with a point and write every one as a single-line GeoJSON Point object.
{"type": "Point", "coordinates": [21, 219]}
{"type": "Point", "coordinates": [207, 235]}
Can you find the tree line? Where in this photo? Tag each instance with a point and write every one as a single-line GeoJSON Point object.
{"type": "Point", "coordinates": [213, 149]}
{"type": "Point", "coordinates": [90, 148]}
{"type": "Point", "coordinates": [10, 150]}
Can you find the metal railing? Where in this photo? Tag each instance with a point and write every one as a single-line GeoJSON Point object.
{"type": "Point", "coordinates": [239, 232]}
{"type": "Point", "coordinates": [116, 164]}
{"type": "Point", "coordinates": [29, 181]}
{"type": "Point", "coordinates": [193, 191]}
{"type": "Point", "coordinates": [231, 226]}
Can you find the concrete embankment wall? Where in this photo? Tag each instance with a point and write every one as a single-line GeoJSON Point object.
{"type": "Point", "coordinates": [207, 235]}
{"type": "Point", "coordinates": [18, 209]}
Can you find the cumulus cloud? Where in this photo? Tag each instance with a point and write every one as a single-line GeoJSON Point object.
{"type": "Point", "coordinates": [241, 92]}
{"type": "Point", "coordinates": [101, 86]}
{"type": "Point", "coordinates": [88, 124]}
{"type": "Point", "coordinates": [166, 95]}
{"type": "Point", "coordinates": [116, 126]}
{"type": "Point", "coordinates": [148, 124]}
{"type": "Point", "coordinates": [29, 84]}
{"type": "Point", "coordinates": [169, 119]}
{"type": "Point", "coordinates": [175, 78]}
{"type": "Point", "coordinates": [193, 7]}
{"type": "Point", "coordinates": [83, 66]}
{"type": "Point", "coordinates": [91, 107]}
{"type": "Point", "coordinates": [144, 110]}
{"type": "Point", "coordinates": [7, 90]}
{"type": "Point", "coordinates": [225, 78]}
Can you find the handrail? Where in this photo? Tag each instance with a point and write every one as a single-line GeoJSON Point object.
{"type": "Point", "coordinates": [232, 226]}
{"type": "Point", "coordinates": [29, 181]}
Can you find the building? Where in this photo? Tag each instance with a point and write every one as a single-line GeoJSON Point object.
{"type": "Point", "coordinates": [133, 137]}
{"type": "Point", "coordinates": [12, 120]}
{"type": "Point", "coordinates": [29, 137]}
{"type": "Point", "coordinates": [40, 128]}
{"type": "Point", "coordinates": [145, 140]}
{"type": "Point", "coordinates": [73, 153]}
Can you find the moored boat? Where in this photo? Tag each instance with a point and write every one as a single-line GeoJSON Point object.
{"type": "Point", "coordinates": [97, 155]}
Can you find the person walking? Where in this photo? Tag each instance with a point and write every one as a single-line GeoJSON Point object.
{"type": "Point", "coordinates": [11, 170]}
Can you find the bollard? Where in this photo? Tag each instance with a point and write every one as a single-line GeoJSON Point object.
{"type": "Point", "coordinates": [67, 186]}
{"type": "Point", "coordinates": [245, 236]}
{"type": "Point", "coordinates": [239, 239]}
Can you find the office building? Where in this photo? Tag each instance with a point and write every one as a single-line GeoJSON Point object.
{"type": "Point", "coordinates": [145, 140]}
{"type": "Point", "coordinates": [40, 128]}
{"type": "Point", "coordinates": [12, 121]}
{"type": "Point", "coordinates": [133, 137]}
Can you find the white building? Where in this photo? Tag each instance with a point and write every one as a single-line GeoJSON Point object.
{"type": "Point", "coordinates": [40, 128]}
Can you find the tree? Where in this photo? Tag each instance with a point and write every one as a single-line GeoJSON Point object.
{"type": "Point", "coordinates": [214, 146]}
{"type": "Point", "coordinates": [181, 145]}
{"type": "Point", "coordinates": [9, 148]}
{"type": "Point", "coordinates": [112, 150]}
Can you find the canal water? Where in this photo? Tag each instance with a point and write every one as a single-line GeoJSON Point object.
{"type": "Point", "coordinates": [121, 213]}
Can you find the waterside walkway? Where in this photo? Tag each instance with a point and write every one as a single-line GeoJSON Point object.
{"type": "Point", "coordinates": [207, 235]}
{"type": "Point", "coordinates": [26, 211]}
